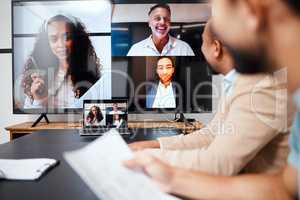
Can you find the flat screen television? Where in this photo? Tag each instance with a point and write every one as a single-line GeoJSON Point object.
{"type": "Point", "coordinates": [68, 51]}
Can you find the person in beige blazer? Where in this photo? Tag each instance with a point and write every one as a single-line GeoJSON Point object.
{"type": "Point", "coordinates": [257, 32]}
{"type": "Point", "coordinates": [247, 133]}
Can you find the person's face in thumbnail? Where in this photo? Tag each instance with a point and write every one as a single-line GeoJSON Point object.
{"type": "Point", "coordinates": [94, 110]}
{"type": "Point", "coordinates": [165, 70]}
{"type": "Point", "coordinates": [160, 22]}
{"type": "Point", "coordinates": [236, 27]}
{"type": "Point", "coordinates": [115, 107]}
{"type": "Point", "coordinates": [60, 41]}
{"type": "Point", "coordinates": [116, 117]}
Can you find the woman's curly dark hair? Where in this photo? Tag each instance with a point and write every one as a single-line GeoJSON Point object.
{"type": "Point", "coordinates": [294, 4]}
{"type": "Point", "coordinates": [84, 65]}
{"type": "Point", "coordinates": [99, 116]}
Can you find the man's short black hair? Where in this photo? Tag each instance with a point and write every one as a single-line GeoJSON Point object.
{"type": "Point", "coordinates": [161, 5]}
{"type": "Point", "coordinates": [294, 4]}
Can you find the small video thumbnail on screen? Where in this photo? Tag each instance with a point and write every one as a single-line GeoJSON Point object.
{"type": "Point", "coordinates": [110, 115]}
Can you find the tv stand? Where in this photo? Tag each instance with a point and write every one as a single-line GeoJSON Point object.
{"type": "Point", "coordinates": [182, 118]}
{"type": "Point", "coordinates": [43, 115]}
{"type": "Point", "coordinates": [18, 130]}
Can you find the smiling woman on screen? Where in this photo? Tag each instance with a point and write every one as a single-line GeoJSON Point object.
{"type": "Point", "coordinates": [62, 66]}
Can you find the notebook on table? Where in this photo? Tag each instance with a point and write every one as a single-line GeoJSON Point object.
{"type": "Point", "coordinates": [99, 116]}
{"type": "Point", "coordinates": [25, 169]}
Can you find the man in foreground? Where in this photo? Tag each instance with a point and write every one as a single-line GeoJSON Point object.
{"type": "Point", "coordinates": [248, 119]}
{"type": "Point", "coordinates": [272, 42]}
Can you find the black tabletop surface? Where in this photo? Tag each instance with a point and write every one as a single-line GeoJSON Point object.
{"type": "Point", "coordinates": [61, 182]}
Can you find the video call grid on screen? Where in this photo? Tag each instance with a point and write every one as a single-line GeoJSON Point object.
{"type": "Point", "coordinates": [110, 33]}
{"type": "Point", "coordinates": [108, 110]}
{"type": "Point", "coordinates": [192, 78]}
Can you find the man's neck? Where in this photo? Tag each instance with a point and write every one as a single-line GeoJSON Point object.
{"type": "Point", "coordinates": [227, 71]}
{"type": "Point", "coordinates": [160, 43]}
{"type": "Point", "coordinates": [166, 84]}
{"type": "Point", "coordinates": [227, 65]}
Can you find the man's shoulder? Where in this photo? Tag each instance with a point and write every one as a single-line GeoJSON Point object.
{"type": "Point", "coordinates": [152, 86]}
{"type": "Point", "coordinates": [258, 87]}
{"type": "Point", "coordinates": [180, 42]}
{"type": "Point", "coordinates": [141, 43]}
{"type": "Point", "coordinates": [137, 47]}
{"type": "Point", "coordinates": [184, 46]}
{"type": "Point", "coordinates": [259, 81]}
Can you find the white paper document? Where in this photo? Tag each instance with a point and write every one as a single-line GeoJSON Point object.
{"type": "Point", "coordinates": [100, 165]}
{"type": "Point", "coordinates": [24, 169]}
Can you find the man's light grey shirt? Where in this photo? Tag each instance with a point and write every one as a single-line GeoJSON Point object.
{"type": "Point", "coordinates": [174, 47]}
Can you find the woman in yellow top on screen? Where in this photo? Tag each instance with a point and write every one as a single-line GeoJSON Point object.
{"type": "Point", "coordinates": [62, 66]}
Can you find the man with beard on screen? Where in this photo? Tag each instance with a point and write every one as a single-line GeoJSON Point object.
{"type": "Point", "coordinates": [266, 33]}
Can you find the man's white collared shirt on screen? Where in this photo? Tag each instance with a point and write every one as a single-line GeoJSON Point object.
{"type": "Point", "coordinates": [174, 47]}
{"type": "Point", "coordinates": [165, 97]}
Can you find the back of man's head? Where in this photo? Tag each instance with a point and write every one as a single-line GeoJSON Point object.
{"type": "Point", "coordinates": [215, 52]}
{"type": "Point", "coordinates": [208, 31]}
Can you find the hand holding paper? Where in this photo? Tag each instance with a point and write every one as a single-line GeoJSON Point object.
{"type": "Point", "coordinates": [161, 173]}
{"type": "Point", "coordinates": [100, 165]}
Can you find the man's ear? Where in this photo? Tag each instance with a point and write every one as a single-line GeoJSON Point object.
{"type": "Point", "coordinates": [217, 49]}
{"type": "Point", "coordinates": [256, 13]}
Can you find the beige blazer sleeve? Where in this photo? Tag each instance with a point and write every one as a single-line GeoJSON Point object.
{"type": "Point", "coordinates": [251, 123]}
{"type": "Point", "coordinates": [198, 139]}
